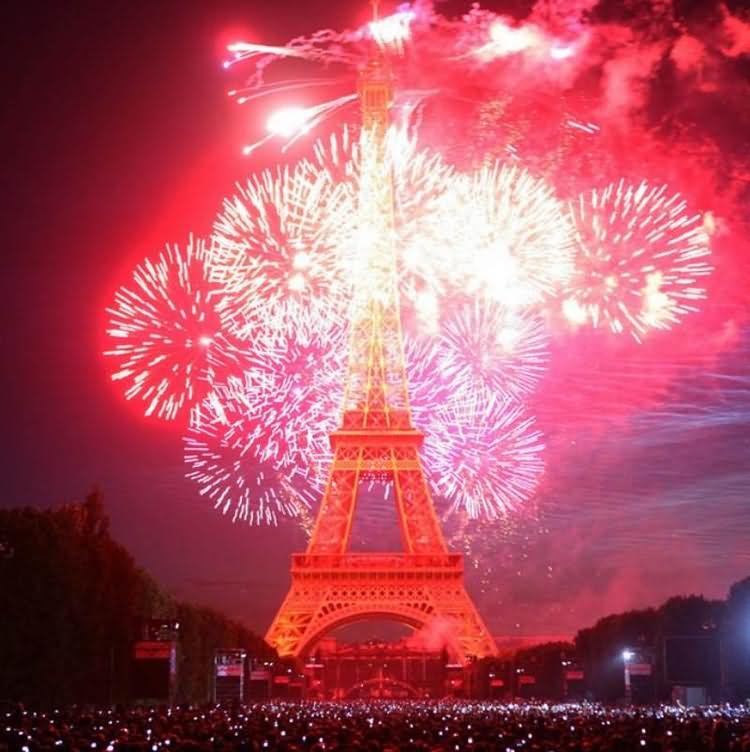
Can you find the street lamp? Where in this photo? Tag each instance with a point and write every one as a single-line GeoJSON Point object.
{"type": "Point", "coordinates": [627, 657]}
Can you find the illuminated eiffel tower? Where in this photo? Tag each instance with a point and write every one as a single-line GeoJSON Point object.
{"type": "Point", "coordinates": [377, 440]}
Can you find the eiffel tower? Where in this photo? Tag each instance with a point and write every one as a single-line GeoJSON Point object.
{"type": "Point", "coordinates": [332, 586]}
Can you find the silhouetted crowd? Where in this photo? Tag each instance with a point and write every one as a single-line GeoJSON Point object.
{"type": "Point", "coordinates": [370, 726]}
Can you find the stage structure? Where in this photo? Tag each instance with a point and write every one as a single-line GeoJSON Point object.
{"type": "Point", "coordinates": [377, 440]}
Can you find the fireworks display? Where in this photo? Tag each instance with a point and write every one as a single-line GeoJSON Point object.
{"type": "Point", "coordinates": [168, 343]}
{"type": "Point", "coordinates": [484, 456]}
{"type": "Point", "coordinates": [275, 249]}
{"type": "Point", "coordinates": [640, 259]}
{"type": "Point", "coordinates": [292, 390]}
{"type": "Point", "coordinates": [515, 242]}
{"type": "Point", "coordinates": [489, 351]}
{"type": "Point", "coordinates": [255, 448]}
{"type": "Point", "coordinates": [490, 247]}
{"type": "Point", "coordinates": [224, 459]}
{"type": "Point", "coordinates": [423, 186]}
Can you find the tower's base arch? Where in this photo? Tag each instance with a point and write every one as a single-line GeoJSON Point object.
{"type": "Point", "coordinates": [328, 592]}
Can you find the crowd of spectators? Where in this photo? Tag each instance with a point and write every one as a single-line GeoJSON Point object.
{"type": "Point", "coordinates": [439, 726]}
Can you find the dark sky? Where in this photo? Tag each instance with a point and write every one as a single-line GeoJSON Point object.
{"type": "Point", "coordinates": [118, 136]}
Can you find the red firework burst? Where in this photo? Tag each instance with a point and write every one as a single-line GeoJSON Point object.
{"type": "Point", "coordinates": [640, 256]}
{"type": "Point", "coordinates": [222, 454]}
{"type": "Point", "coordinates": [168, 343]}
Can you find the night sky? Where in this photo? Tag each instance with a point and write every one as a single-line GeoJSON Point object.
{"type": "Point", "coordinates": [118, 136]}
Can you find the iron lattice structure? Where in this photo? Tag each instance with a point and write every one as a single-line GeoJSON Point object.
{"type": "Point", "coordinates": [377, 440]}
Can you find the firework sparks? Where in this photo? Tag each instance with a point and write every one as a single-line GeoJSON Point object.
{"type": "Point", "coordinates": [221, 452]}
{"type": "Point", "coordinates": [506, 39]}
{"type": "Point", "coordinates": [291, 389]}
{"type": "Point", "coordinates": [422, 182]}
{"type": "Point", "coordinates": [392, 31]}
{"type": "Point", "coordinates": [492, 350]}
{"type": "Point", "coordinates": [276, 247]}
{"type": "Point", "coordinates": [427, 389]}
{"type": "Point", "coordinates": [640, 255]}
{"type": "Point", "coordinates": [484, 457]}
{"type": "Point", "coordinates": [515, 240]}
{"type": "Point", "coordinates": [254, 451]}
{"type": "Point", "coordinates": [169, 345]}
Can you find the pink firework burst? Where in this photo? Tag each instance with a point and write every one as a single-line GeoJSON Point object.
{"type": "Point", "coordinates": [291, 391]}
{"type": "Point", "coordinates": [275, 247]}
{"type": "Point", "coordinates": [222, 454]}
{"type": "Point", "coordinates": [513, 241]}
{"type": "Point", "coordinates": [168, 342]}
{"type": "Point", "coordinates": [483, 457]}
{"type": "Point", "coordinates": [490, 350]}
{"type": "Point", "coordinates": [427, 390]}
{"type": "Point", "coordinates": [640, 256]}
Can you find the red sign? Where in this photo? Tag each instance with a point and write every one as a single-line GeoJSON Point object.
{"type": "Point", "coordinates": [574, 675]}
{"type": "Point", "coordinates": [639, 669]}
{"type": "Point", "coordinates": [526, 679]}
{"type": "Point", "coordinates": [281, 680]}
{"type": "Point", "coordinates": [497, 683]}
{"type": "Point", "coordinates": [260, 675]}
{"type": "Point", "coordinates": [152, 650]}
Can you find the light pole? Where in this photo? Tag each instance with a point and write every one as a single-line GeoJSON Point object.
{"type": "Point", "coordinates": [627, 657]}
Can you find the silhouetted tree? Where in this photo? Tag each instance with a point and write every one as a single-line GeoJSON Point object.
{"type": "Point", "coordinates": [71, 602]}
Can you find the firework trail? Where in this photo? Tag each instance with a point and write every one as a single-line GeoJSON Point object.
{"type": "Point", "coordinates": [639, 259]}
{"type": "Point", "coordinates": [484, 457]}
{"type": "Point", "coordinates": [514, 241]}
{"type": "Point", "coordinates": [221, 452]}
{"type": "Point", "coordinates": [452, 54]}
{"type": "Point", "coordinates": [168, 343]}
{"type": "Point", "coordinates": [276, 247]}
{"type": "Point", "coordinates": [488, 350]}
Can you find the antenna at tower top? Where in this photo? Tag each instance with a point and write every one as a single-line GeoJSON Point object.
{"type": "Point", "coordinates": [375, 9]}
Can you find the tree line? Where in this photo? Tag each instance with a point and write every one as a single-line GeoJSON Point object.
{"type": "Point", "coordinates": [687, 641]}
{"type": "Point", "coordinates": [73, 603]}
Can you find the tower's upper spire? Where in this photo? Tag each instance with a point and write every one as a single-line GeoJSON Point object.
{"type": "Point", "coordinates": [375, 9]}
